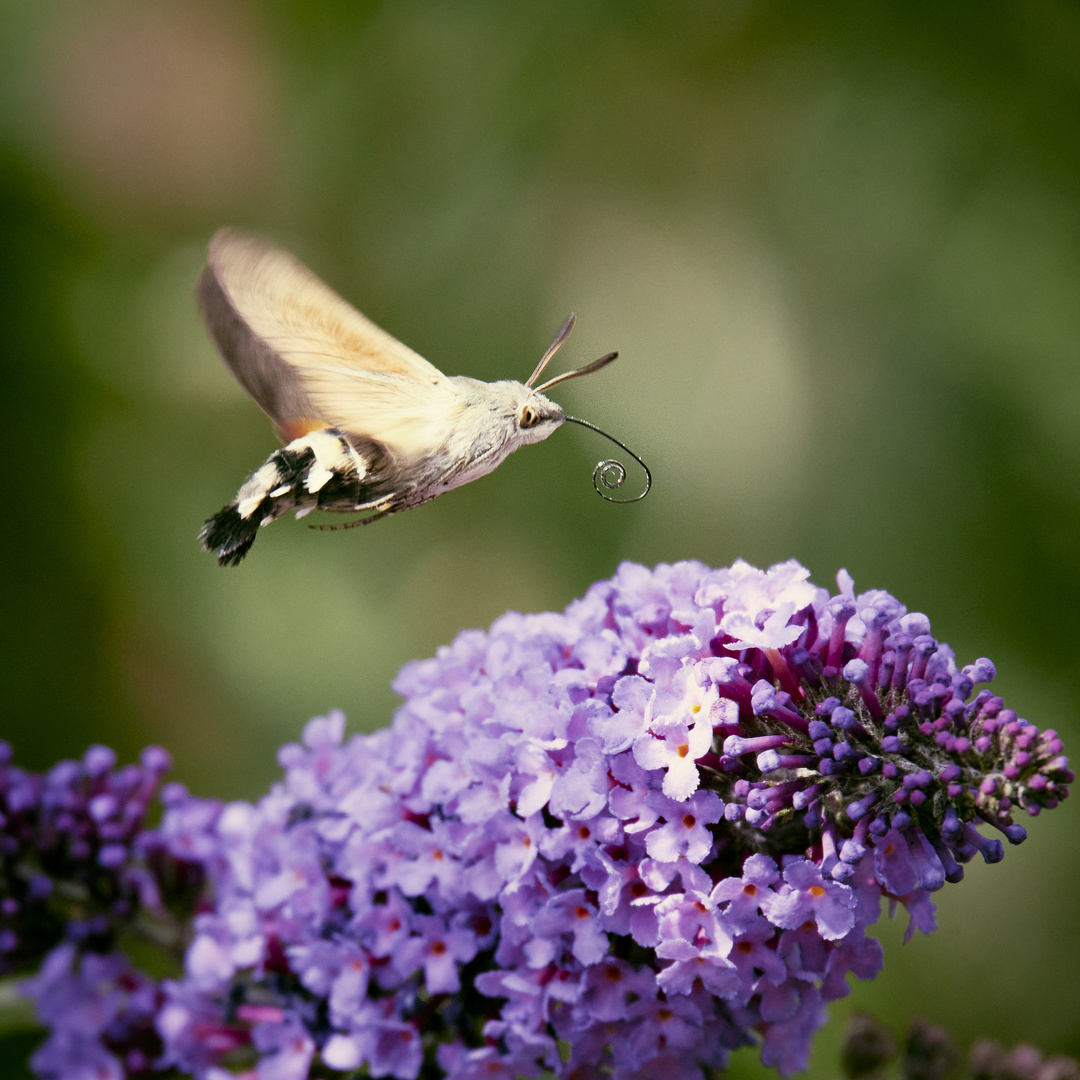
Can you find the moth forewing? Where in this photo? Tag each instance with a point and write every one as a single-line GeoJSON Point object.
{"type": "Point", "coordinates": [281, 331]}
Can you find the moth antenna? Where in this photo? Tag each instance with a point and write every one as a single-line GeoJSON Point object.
{"type": "Point", "coordinates": [609, 473]}
{"type": "Point", "coordinates": [553, 348]}
{"type": "Point", "coordinates": [588, 369]}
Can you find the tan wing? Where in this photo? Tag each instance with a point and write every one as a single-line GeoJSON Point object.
{"type": "Point", "coordinates": [310, 359]}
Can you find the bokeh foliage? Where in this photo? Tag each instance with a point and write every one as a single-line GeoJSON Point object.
{"type": "Point", "coordinates": [838, 248]}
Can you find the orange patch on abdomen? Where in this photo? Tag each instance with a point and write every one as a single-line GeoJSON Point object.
{"type": "Point", "coordinates": [295, 429]}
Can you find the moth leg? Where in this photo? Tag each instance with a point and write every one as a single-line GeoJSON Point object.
{"type": "Point", "coordinates": [320, 469]}
{"type": "Point", "coordinates": [355, 523]}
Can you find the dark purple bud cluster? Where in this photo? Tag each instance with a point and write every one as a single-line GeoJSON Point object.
{"type": "Point", "coordinates": [883, 738]}
{"type": "Point", "coordinates": [82, 878]}
{"type": "Point", "coordinates": [73, 851]}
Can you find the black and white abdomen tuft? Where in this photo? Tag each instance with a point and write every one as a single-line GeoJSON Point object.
{"type": "Point", "coordinates": [320, 470]}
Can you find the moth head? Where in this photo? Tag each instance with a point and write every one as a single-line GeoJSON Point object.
{"type": "Point", "coordinates": [504, 415]}
{"type": "Point", "coordinates": [537, 417]}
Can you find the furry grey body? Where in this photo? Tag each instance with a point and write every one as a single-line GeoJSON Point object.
{"type": "Point", "coordinates": [328, 469]}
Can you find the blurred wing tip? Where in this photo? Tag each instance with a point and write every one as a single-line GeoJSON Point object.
{"type": "Point", "coordinates": [228, 233]}
{"type": "Point", "coordinates": [224, 236]}
{"type": "Point", "coordinates": [229, 240]}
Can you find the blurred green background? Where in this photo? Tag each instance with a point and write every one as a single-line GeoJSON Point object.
{"type": "Point", "coordinates": [837, 246]}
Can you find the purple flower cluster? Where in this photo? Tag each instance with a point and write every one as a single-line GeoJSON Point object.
{"type": "Point", "coordinates": [79, 872]}
{"type": "Point", "coordinates": [69, 842]}
{"type": "Point", "coordinates": [618, 841]}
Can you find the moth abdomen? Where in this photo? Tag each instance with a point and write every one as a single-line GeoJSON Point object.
{"type": "Point", "coordinates": [320, 470]}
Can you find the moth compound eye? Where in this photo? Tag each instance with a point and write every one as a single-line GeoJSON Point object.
{"type": "Point", "coordinates": [529, 417]}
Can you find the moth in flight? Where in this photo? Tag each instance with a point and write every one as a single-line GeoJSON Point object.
{"type": "Point", "coordinates": [368, 425]}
